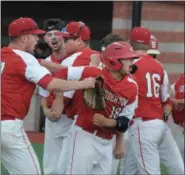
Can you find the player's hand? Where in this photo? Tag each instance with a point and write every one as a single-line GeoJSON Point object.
{"type": "Point", "coordinates": [88, 83]}
{"type": "Point", "coordinates": [119, 147]}
{"type": "Point", "coordinates": [179, 107]}
{"type": "Point", "coordinates": [100, 120]}
{"type": "Point", "coordinates": [50, 114]}
{"type": "Point", "coordinates": [58, 105]}
{"type": "Point", "coordinates": [174, 101]}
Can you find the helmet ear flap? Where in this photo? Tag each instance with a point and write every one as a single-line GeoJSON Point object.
{"type": "Point", "coordinates": [113, 64]}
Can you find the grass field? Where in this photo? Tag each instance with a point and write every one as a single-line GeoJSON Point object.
{"type": "Point", "coordinates": [37, 142]}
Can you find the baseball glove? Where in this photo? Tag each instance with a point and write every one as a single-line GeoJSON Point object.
{"type": "Point", "coordinates": [95, 97]}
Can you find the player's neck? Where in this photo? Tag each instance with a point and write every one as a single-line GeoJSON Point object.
{"type": "Point", "coordinates": [116, 75]}
{"type": "Point", "coordinates": [82, 46]}
{"type": "Point", "coordinates": [17, 46]}
{"type": "Point", "coordinates": [59, 54]}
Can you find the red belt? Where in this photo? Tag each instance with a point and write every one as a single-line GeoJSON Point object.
{"type": "Point", "coordinates": [143, 119]}
{"type": "Point", "coordinates": [99, 133]}
{"type": "Point", "coordinates": [7, 117]}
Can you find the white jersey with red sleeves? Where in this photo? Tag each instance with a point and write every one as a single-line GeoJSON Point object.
{"type": "Point", "coordinates": [178, 91]}
{"type": "Point", "coordinates": [153, 86]}
{"type": "Point", "coordinates": [50, 96]}
{"type": "Point", "coordinates": [81, 58]}
{"type": "Point", "coordinates": [121, 96]}
{"type": "Point", "coordinates": [20, 71]}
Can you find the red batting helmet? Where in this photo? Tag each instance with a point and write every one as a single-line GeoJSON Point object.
{"type": "Point", "coordinates": [115, 52]}
{"type": "Point", "coordinates": [153, 46]}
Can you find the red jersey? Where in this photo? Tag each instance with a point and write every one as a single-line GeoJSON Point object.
{"type": "Point", "coordinates": [73, 106]}
{"type": "Point", "coordinates": [178, 88]}
{"type": "Point", "coordinates": [20, 71]}
{"type": "Point", "coordinates": [121, 96]}
{"type": "Point", "coordinates": [153, 87]}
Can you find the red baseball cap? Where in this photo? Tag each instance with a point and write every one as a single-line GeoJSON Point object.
{"type": "Point", "coordinates": [140, 35]}
{"type": "Point", "coordinates": [23, 26]}
{"type": "Point", "coordinates": [77, 29]}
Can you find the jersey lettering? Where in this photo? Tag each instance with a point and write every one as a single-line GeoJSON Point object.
{"type": "Point", "coordinates": [152, 91]}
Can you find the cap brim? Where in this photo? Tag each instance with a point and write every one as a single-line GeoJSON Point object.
{"type": "Point", "coordinates": [37, 32]}
{"type": "Point", "coordinates": [155, 52]}
{"type": "Point", "coordinates": [64, 34]}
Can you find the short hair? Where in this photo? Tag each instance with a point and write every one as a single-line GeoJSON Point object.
{"type": "Point", "coordinates": [53, 24]}
{"type": "Point", "coordinates": [139, 46]}
{"type": "Point", "coordinates": [110, 38]}
{"type": "Point", "coordinates": [153, 55]}
{"type": "Point", "coordinates": [13, 39]}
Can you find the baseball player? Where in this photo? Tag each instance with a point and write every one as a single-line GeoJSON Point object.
{"type": "Point", "coordinates": [151, 139]}
{"type": "Point", "coordinates": [20, 71]}
{"type": "Point", "coordinates": [120, 100]}
{"type": "Point", "coordinates": [57, 132]}
{"type": "Point", "coordinates": [178, 111]}
{"type": "Point", "coordinates": [119, 148]}
{"type": "Point", "coordinates": [53, 140]}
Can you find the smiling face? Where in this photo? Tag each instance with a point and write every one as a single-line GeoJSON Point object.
{"type": "Point", "coordinates": [54, 41]}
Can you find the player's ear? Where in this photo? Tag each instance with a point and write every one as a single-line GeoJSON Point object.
{"type": "Point", "coordinates": [24, 38]}
{"type": "Point", "coordinates": [78, 41]}
{"type": "Point", "coordinates": [46, 38]}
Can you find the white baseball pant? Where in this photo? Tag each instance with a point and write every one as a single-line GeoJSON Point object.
{"type": "Point", "coordinates": [151, 142]}
{"type": "Point", "coordinates": [17, 154]}
{"type": "Point", "coordinates": [179, 138]}
{"type": "Point", "coordinates": [127, 150]}
{"type": "Point", "coordinates": [88, 153]}
{"type": "Point", "coordinates": [55, 145]}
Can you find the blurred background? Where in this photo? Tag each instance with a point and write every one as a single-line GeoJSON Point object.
{"type": "Point", "coordinates": [164, 19]}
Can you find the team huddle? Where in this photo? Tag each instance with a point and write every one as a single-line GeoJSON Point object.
{"type": "Point", "coordinates": [101, 108]}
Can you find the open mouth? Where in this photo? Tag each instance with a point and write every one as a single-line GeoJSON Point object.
{"type": "Point", "coordinates": [54, 43]}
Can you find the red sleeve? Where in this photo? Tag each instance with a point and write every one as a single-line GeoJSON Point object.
{"type": "Point", "coordinates": [44, 82]}
{"type": "Point", "coordinates": [91, 72]}
{"type": "Point", "coordinates": [61, 73]}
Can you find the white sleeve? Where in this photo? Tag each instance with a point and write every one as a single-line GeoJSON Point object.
{"type": "Point", "coordinates": [75, 73]}
{"type": "Point", "coordinates": [34, 72]}
{"type": "Point", "coordinates": [172, 90]}
{"type": "Point", "coordinates": [43, 92]}
{"type": "Point", "coordinates": [129, 110]}
{"type": "Point", "coordinates": [69, 94]}
{"type": "Point", "coordinates": [164, 91]}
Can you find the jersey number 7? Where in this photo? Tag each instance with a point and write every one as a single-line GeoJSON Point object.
{"type": "Point", "coordinates": [152, 84]}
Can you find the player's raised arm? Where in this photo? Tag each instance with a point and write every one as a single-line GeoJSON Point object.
{"type": "Point", "coordinates": [38, 74]}
{"type": "Point", "coordinates": [52, 67]}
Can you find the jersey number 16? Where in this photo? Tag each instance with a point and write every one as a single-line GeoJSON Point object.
{"type": "Point", "coordinates": [152, 84]}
